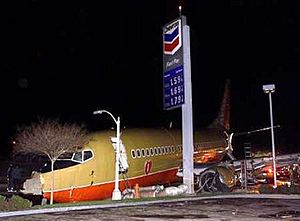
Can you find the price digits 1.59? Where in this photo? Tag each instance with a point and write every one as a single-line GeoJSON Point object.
{"type": "Point", "coordinates": [175, 80]}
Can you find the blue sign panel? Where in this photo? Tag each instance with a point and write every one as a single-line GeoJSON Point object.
{"type": "Point", "coordinates": [173, 88]}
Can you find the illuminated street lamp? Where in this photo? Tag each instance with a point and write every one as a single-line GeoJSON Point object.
{"type": "Point", "coordinates": [269, 89]}
{"type": "Point", "coordinates": [116, 193]}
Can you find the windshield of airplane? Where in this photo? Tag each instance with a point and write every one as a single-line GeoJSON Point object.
{"type": "Point", "coordinates": [69, 159]}
{"type": "Point", "coordinates": [79, 157]}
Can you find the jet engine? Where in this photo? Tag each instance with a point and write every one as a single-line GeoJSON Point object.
{"type": "Point", "coordinates": [216, 179]}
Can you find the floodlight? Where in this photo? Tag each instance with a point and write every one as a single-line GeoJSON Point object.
{"type": "Point", "coordinates": [269, 88]}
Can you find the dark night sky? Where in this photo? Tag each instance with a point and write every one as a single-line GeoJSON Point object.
{"type": "Point", "coordinates": [65, 59]}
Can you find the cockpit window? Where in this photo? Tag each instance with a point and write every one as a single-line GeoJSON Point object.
{"type": "Point", "coordinates": [65, 160]}
{"type": "Point", "coordinates": [66, 156]}
{"type": "Point", "coordinates": [77, 157]}
{"type": "Point", "coordinates": [70, 159]}
{"type": "Point", "coordinates": [87, 154]}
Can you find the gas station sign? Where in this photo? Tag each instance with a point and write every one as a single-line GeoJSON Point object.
{"type": "Point", "coordinates": [173, 75]}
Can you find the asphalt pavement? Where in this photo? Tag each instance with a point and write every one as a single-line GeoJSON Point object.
{"type": "Point", "coordinates": [219, 207]}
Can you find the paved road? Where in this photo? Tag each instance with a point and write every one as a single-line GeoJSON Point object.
{"type": "Point", "coordinates": [233, 207]}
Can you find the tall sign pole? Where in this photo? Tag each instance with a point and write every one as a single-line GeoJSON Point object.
{"type": "Point", "coordinates": [187, 113]}
{"type": "Point", "coordinates": [178, 87]}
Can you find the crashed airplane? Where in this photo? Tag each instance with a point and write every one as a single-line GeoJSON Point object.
{"type": "Point", "coordinates": [147, 157]}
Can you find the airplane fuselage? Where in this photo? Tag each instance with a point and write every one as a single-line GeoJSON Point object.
{"type": "Point", "coordinates": [153, 157]}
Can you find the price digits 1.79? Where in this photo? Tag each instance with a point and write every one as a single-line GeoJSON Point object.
{"type": "Point", "coordinates": [176, 100]}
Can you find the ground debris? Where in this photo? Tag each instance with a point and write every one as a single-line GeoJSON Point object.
{"type": "Point", "coordinates": [282, 214]}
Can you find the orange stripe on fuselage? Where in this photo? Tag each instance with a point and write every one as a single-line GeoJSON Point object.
{"type": "Point", "coordinates": [104, 191]}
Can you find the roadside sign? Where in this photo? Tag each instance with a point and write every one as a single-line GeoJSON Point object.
{"type": "Point", "coordinates": [173, 80]}
{"type": "Point", "coordinates": [173, 88]}
{"type": "Point", "coordinates": [178, 87]}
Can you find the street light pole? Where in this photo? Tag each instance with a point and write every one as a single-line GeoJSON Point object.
{"type": "Point", "coordinates": [269, 89]}
{"type": "Point", "coordinates": [116, 195]}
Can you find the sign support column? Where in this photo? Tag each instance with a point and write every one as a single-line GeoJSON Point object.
{"type": "Point", "coordinates": [187, 114]}
{"type": "Point", "coordinates": [178, 88]}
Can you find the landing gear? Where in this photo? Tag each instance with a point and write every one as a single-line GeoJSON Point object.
{"type": "Point", "coordinates": [210, 181]}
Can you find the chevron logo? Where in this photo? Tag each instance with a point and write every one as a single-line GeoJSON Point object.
{"type": "Point", "coordinates": [172, 37]}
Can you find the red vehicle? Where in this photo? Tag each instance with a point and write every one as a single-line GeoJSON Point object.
{"type": "Point", "coordinates": [286, 173]}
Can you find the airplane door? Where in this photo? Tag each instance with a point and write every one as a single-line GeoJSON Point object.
{"type": "Point", "coordinates": [123, 155]}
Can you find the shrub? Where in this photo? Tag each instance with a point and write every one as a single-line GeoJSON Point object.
{"type": "Point", "coordinates": [13, 203]}
{"type": "Point", "coordinates": [284, 189]}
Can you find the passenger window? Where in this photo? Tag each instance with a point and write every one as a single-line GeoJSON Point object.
{"type": "Point", "coordinates": [173, 149]}
{"type": "Point", "coordinates": [87, 154]}
{"type": "Point", "coordinates": [138, 153]}
{"type": "Point", "coordinates": [179, 148]}
{"type": "Point", "coordinates": [167, 150]}
{"type": "Point", "coordinates": [147, 152]}
{"type": "Point", "coordinates": [143, 152]}
{"type": "Point", "coordinates": [151, 151]}
{"type": "Point", "coordinates": [133, 154]}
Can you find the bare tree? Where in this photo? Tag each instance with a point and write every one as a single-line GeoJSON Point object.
{"type": "Point", "coordinates": [50, 138]}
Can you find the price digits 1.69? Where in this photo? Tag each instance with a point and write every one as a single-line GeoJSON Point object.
{"type": "Point", "coordinates": [176, 90]}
